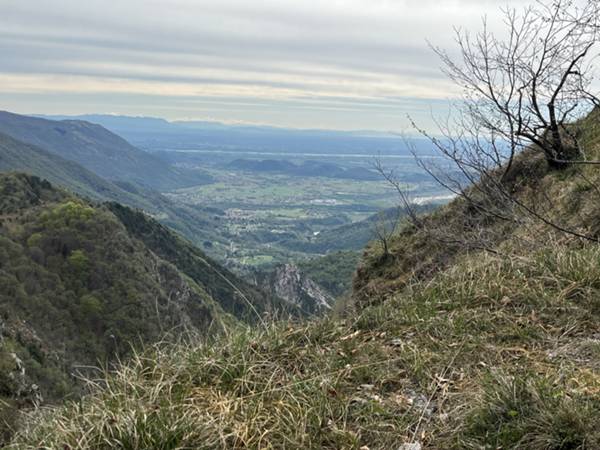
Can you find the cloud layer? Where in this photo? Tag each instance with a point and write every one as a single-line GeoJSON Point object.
{"type": "Point", "coordinates": [313, 63]}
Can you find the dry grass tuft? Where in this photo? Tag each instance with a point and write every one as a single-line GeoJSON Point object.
{"type": "Point", "coordinates": [474, 358]}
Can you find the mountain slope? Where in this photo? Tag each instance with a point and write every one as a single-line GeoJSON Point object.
{"type": "Point", "coordinates": [19, 156]}
{"type": "Point", "coordinates": [76, 289]}
{"type": "Point", "coordinates": [477, 358]}
{"type": "Point", "coordinates": [233, 294]}
{"type": "Point", "coordinates": [333, 271]}
{"type": "Point", "coordinates": [288, 282]}
{"type": "Point", "coordinates": [451, 346]}
{"type": "Point", "coordinates": [98, 150]}
{"type": "Point", "coordinates": [567, 199]}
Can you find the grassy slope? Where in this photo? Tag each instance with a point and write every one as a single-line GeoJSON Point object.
{"type": "Point", "coordinates": [574, 193]}
{"type": "Point", "coordinates": [459, 348]}
{"type": "Point", "coordinates": [491, 352]}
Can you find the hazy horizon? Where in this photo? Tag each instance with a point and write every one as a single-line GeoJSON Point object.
{"type": "Point", "coordinates": [343, 65]}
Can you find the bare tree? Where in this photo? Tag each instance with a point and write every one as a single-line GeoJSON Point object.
{"type": "Point", "coordinates": [388, 222]}
{"type": "Point", "coordinates": [523, 97]}
{"type": "Point", "coordinates": [407, 206]}
{"type": "Point", "coordinates": [384, 229]}
{"type": "Point", "coordinates": [476, 239]}
{"type": "Point", "coordinates": [530, 86]}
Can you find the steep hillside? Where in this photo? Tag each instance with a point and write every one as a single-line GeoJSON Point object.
{"type": "Point", "coordinates": [77, 289]}
{"type": "Point", "coordinates": [473, 333]}
{"type": "Point", "coordinates": [568, 199]}
{"type": "Point", "coordinates": [235, 295]}
{"type": "Point", "coordinates": [19, 156]}
{"type": "Point", "coordinates": [98, 150]}
{"type": "Point", "coordinates": [199, 225]}
{"type": "Point", "coordinates": [288, 282]}
{"type": "Point", "coordinates": [491, 354]}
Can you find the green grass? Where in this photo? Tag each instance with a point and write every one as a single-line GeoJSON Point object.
{"type": "Point", "coordinates": [534, 413]}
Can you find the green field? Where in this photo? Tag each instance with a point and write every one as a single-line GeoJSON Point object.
{"type": "Point", "coordinates": [264, 212]}
{"type": "Point", "coordinates": [277, 191]}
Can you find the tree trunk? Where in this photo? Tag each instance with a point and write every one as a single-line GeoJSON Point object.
{"type": "Point", "coordinates": [558, 153]}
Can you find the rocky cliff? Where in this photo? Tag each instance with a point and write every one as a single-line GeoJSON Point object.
{"type": "Point", "coordinates": [289, 283]}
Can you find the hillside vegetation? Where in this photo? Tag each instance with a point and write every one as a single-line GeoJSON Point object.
{"type": "Point", "coordinates": [19, 156]}
{"type": "Point", "coordinates": [235, 295]}
{"type": "Point", "coordinates": [449, 345]}
{"type": "Point", "coordinates": [334, 271]}
{"type": "Point", "coordinates": [492, 353]}
{"type": "Point", "coordinates": [567, 198]}
{"type": "Point", "coordinates": [82, 286]}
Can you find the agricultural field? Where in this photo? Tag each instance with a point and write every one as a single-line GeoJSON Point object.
{"type": "Point", "coordinates": [268, 217]}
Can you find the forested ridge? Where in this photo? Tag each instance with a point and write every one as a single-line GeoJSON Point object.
{"type": "Point", "coordinates": [78, 290]}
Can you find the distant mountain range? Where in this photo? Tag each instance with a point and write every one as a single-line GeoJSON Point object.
{"type": "Point", "coordinates": [159, 134]}
{"type": "Point", "coordinates": [125, 123]}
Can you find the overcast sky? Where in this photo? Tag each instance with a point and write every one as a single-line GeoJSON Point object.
{"type": "Point", "coordinates": [343, 64]}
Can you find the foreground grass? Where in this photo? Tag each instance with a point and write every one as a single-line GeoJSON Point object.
{"type": "Point", "coordinates": [493, 353]}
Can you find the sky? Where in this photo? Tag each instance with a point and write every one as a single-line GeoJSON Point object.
{"type": "Point", "coordinates": [330, 64]}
